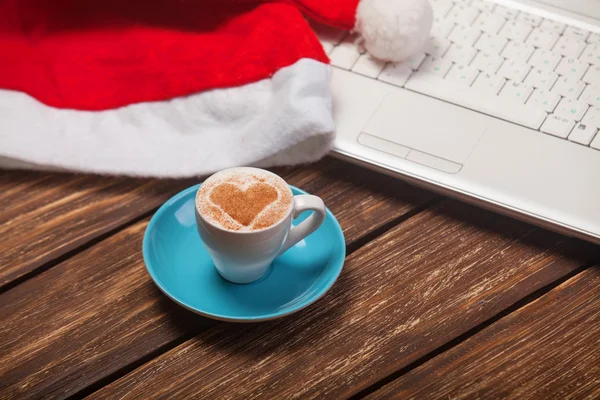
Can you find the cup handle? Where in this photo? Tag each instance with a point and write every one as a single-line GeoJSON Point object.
{"type": "Point", "coordinates": [304, 202]}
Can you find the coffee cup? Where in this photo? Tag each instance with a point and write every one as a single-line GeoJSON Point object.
{"type": "Point", "coordinates": [244, 217]}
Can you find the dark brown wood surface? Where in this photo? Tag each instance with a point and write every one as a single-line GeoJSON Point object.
{"type": "Point", "coordinates": [45, 215]}
{"type": "Point", "coordinates": [424, 276]}
{"type": "Point", "coordinates": [399, 297]}
{"type": "Point", "coordinates": [104, 298]}
{"type": "Point", "coordinates": [550, 348]}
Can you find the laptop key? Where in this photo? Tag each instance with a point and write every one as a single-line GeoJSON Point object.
{"type": "Point", "coordinates": [583, 134]}
{"type": "Point", "coordinates": [530, 19]}
{"type": "Point", "coordinates": [571, 68]}
{"type": "Point", "coordinates": [515, 30]}
{"type": "Point", "coordinates": [591, 95]}
{"type": "Point", "coordinates": [368, 66]}
{"type": "Point", "coordinates": [345, 54]}
{"type": "Point", "coordinates": [544, 59]}
{"type": "Point", "coordinates": [464, 35]}
{"type": "Point", "coordinates": [516, 91]}
{"type": "Point", "coordinates": [592, 117]}
{"type": "Point", "coordinates": [487, 62]}
{"type": "Point", "coordinates": [592, 76]}
{"type": "Point", "coordinates": [415, 60]}
{"type": "Point", "coordinates": [572, 109]}
{"type": "Point", "coordinates": [489, 23]}
{"type": "Point", "coordinates": [490, 84]}
{"type": "Point", "coordinates": [591, 54]}
{"type": "Point", "coordinates": [541, 79]}
{"type": "Point", "coordinates": [462, 74]}
{"type": "Point", "coordinates": [442, 27]}
{"type": "Point", "coordinates": [554, 26]}
{"type": "Point", "coordinates": [542, 38]}
{"type": "Point", "coordinates": [578, 33]}
{"type": "Point", "coordinates": [436, 46]}
{"type": "Point", "coordinates": [558, 126]}
{"type": "Point", "coordinates": [436, 66]}
{"type": "Point", "coordinates": [492, 44]}
{"type": "Point", "coordinates": [569, 46]}
{"type": "Point", "coordinates": [463, 14]}
{"type": "Point", "coordinates": [594, 38]}
{"type": "Point", "coordinates": [460, 54]}
{"type": "Point", "coordinates": [544, 99]}
{"type": "Point", "coordinates": [568, 87]}
{"type": "Point", "coordinates": [482, 5]}
{"type": "Point", "coordinates": [514, 70]}
{"type": "Point", "coordinates": [518, 51]}
{"type": "Point", "coordinates": [508, 13]}
{"type": "Point", "coordinates": [395, 74]}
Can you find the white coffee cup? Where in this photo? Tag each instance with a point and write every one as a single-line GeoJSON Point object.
{"type": "Point", "coordinates": [245, 256]}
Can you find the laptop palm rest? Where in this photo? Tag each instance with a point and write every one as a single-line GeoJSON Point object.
{"type": "Point", "coordinates": [404, 126]}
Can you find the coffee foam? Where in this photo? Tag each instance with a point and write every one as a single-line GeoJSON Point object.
{"type": "Point", "coordinates": [243, 192]}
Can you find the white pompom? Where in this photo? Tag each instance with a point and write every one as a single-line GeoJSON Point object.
{"type": "Point", "coordinates": [393, 30]}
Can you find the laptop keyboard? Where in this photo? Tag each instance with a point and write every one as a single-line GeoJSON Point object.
{"type": "Point", "coordinates": [512, 65]}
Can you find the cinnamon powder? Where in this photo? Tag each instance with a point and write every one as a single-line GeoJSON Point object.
{"type": "Point", "coordinates": [242, 200]}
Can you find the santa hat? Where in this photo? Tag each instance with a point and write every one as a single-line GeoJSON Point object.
{"type": "Point", "coordinates": [179, 87]}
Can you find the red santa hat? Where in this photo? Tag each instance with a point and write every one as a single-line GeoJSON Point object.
{"type": "Point", "coordinates": [179, 87]}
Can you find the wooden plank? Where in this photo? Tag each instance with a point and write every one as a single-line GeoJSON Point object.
{"type": "Point", "coordinates": [425, 282]}
{"type": "Point", "coordinates": [548, 349]}
{"type": "Point", "coordinates": [99, 311]}
{"type": "Point", "coordinates": [45, 215]}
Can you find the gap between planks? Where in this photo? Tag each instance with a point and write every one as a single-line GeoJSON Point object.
{"type": "Point", "coordinates": [330, 170]}
{"type": "Point", "coordinates": [473, 331]}
{"type": "Point", "coordinates": [350, 248]}
{"type": "Point", "coordinates": [444, 347]}
{"type": "Point", "coordinates": [501, 312]}
{"type": "Point", "coordinates": [63, 257]}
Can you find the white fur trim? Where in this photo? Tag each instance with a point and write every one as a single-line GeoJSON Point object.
{"type": "Point", "coordinates": [394, 30]}
{"type": "Point", "coordinates": [283, 120]}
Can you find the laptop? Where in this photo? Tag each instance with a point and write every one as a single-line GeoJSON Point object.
{"type": "Point", "coordinates": [500, 109]}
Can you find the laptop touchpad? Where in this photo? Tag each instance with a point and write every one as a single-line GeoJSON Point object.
{"type": "Point", "coordinates": [431, 129]}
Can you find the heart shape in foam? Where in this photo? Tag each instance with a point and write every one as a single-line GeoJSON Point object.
{"type": "Point", "coordinates": [243, 205]}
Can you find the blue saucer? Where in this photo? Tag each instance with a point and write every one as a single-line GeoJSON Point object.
{"type": "Point", "coordinates": [180, 266]}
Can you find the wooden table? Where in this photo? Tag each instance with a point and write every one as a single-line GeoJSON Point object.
{"type": "Point", "coordinates": [437, 299]}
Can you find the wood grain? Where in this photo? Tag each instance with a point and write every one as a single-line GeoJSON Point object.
{"type": "Point", "coordinates": [98, 311]}
{"type": "Point", "coordinates": [548, 349]}
{"type": "Point", "coordinates": [401, 296]}
{"type": "Point", "coordinates": [45, 215]}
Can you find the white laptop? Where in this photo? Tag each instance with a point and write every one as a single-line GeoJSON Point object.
{"type": "Point", "coordinates": [501, 109]}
